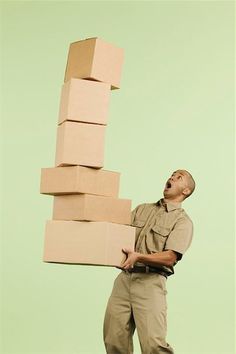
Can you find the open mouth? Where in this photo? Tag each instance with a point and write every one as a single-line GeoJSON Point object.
{"type": "Point", "coordinates": [168, 185]}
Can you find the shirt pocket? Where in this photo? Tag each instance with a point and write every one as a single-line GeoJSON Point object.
{"type": "Point", "coordinates": [139, 224]}
{"type": "Point", "coordinates": [160, 235]}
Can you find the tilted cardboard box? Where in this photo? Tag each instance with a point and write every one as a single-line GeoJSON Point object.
{"type": "Point", "coordinates": [92, 208]}
{"type": "Point", "coordinates": [84, 101]}
{"type": "Point", "coordinates": [79, 179]}
{"type": "Point", "coordinates": [95, 59]}
{"type": "Point", "coordinates": [80, 144]}
{"type": "Point", "coordinates": [97, 243]}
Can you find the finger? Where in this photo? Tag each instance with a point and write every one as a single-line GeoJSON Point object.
{"type": "Point", "coordinates": [125, 264]}
{"type": "Point", "coordinates": [128, 266]}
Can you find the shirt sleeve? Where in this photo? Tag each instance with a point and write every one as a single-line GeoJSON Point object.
{"type": "Point", "coordinates": [180, 237]}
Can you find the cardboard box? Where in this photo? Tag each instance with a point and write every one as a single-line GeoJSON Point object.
{"type": "Point", "coordinates": [95, 59]}
{"type": "Point", "coordinates": [92, 208]}
{"type": "Point", "coordinates": [97, 243]}
{"type": "Point", "coordinates": [79, 179]}
{"type": "Point", "coordinates": [80, 144]}
{"type": "Point", "coordinates": [84, 101]}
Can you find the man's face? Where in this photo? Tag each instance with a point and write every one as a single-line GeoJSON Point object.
{"type": "Point", "coordinates": [176, 185]}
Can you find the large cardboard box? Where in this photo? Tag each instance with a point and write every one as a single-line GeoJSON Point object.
{"type": "Point", "coordinates": [84, 101]}
{"type": "Point", "coordinates": [80, 144]}
{"type": "Point", "coordinates": [97, 243]}
{"type": "Point", "coordinates": [92, 208]}
{"type": "Point", "coordinates": [95, 59]}
{"type": "Point", "coordinates": [79, 179]}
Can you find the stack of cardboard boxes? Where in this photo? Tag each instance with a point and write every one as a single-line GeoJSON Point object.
{"type": "Point", "coordinates": [90, 223]}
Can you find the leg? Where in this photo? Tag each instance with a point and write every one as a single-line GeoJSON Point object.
{"type": "Point", "coordinates": [150, 310]}
{"type": "Point", "coordinates": [119, 323]}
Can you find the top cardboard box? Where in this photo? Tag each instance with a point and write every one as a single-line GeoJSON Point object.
{"type": "Point", "coordinates": [95, 59]}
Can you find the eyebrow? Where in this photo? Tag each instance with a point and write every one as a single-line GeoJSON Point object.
{"type": "Point", "coordinates": [181, 173]}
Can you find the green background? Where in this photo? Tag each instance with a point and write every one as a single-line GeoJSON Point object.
{"type": "Point", "coordinates": [174, 110]}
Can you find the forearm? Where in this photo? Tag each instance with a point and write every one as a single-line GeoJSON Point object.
{"type": "Point", "coordinates": [166, 258]}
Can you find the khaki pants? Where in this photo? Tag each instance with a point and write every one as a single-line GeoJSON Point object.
{"type": "Point", "coordinates": [138, 300]}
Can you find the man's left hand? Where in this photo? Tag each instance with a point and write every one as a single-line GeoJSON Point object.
{"type": "Point", "coordinates": [132, 258]}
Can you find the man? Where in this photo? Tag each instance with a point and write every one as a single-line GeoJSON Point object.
{"type": "Point", "coordinates": [138, 299]}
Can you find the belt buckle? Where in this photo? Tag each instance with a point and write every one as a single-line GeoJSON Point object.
{"type": "Point", "coordinates": [146, 269]}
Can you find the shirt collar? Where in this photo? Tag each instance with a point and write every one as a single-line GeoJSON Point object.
{"type": "Point", "coordinates": [168, 206]}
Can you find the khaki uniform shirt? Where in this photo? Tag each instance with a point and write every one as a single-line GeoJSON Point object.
{"type": "Point", "coordinates": [162, 226]}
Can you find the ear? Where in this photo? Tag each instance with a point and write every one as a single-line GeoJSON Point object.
{"type": "Point", "coordinates": [186, 191]}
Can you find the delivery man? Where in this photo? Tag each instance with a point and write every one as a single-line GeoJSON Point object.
{"type": "Point", "coordinates": [138, 299]}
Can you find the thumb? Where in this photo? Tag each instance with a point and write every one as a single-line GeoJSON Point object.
{"type": "Point", "coordinates": [127, 250]}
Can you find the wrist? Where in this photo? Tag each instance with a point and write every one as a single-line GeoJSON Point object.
{"type": "Point", "coordinates": [139, 256]}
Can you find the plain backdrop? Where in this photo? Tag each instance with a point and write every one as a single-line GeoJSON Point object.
{"type": "Point", "coordinates": [175, 109]}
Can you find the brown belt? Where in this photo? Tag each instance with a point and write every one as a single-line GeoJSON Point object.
{"type": "Point", "coordinates": [146, 269]}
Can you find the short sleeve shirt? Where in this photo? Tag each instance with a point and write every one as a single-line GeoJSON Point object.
{"type": "Point", "coordinates": [162, 226]}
